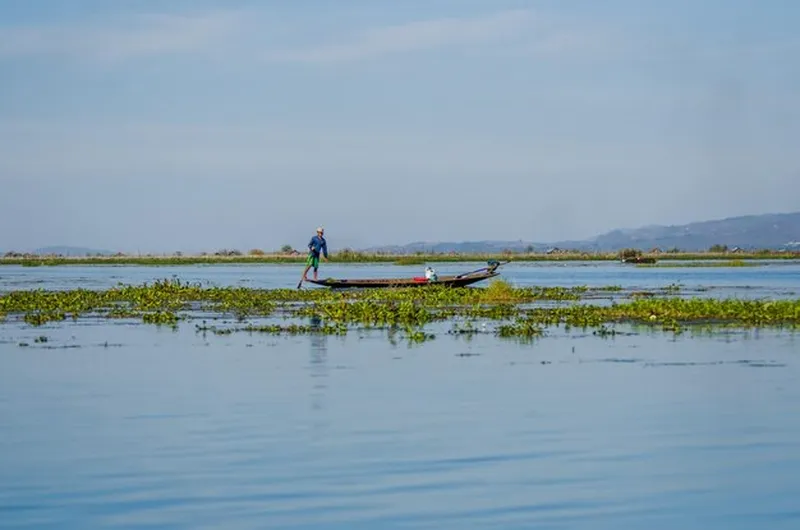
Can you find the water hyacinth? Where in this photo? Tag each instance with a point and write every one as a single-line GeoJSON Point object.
{"type": "Point", "coordinates": [516, 311]}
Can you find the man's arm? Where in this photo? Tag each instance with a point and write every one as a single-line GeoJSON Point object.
{"type": "Point", "coordinates": [325, 248]}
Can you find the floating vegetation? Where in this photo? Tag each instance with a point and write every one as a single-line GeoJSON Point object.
{"type": "Point", "coordinates": [418, 335]}
{"type": "Point", "coordinates": [604, 331]}
{"type": "Point", "coordinates": [39, 318]}
{"type": "Point", "coordinates": [715, 263]}
{"type": "Point", "coordinates": [286, 255]}
{"type": "Point", "coordinates": [275, 329]}
{"type": "Point", "coordinates": [671, 312]}
{"type": "Point", "coordinates": [409, 260]}
{"type": "Point", "coordinates": [467, 328]}
{"type": "Point", "coordinates": [156, 303]}
{"type": "Point", "coordinates": [505, 310]}
{"type": "Point", "coordinates": [161, 318]}
{"type": "Point", "coordinates": [521, 328]}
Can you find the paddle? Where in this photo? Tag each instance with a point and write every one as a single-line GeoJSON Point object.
{"type": "Point", "coordinates": [303, 277]}
{"type": "Point", "coordinates": [492, 265]}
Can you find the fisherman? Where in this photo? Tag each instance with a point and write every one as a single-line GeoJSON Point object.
{"type": "Point", "coordinates": [430, 274]}
{"type": "Point", "coordinates": [316, 245]}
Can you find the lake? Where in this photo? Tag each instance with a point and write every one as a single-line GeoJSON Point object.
{"type": "Point", "coordinates": [770, 278]}
{"type": "Point", "coordinates": [112, 424]}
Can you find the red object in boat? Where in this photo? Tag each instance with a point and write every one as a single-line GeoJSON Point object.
{"type": "Point", "coordinates": [420, 279]}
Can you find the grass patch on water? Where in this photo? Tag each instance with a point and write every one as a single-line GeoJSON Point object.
{"type": "Point", "coordinates": [410, 260]}
{"type": "Point", "coordinates": [500, 290]}
{"type": "Point", "coordinates": [352, 256]}
{"type": "Point", "coordinates": [724, 263]}
{"type": "Point", "coordinates": [513, 309]}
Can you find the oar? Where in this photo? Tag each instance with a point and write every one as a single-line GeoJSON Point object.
{"type": "Point", "coordinates": [305, 271]}
{"type": "Point", "coordinates": [479, 270]}
{"type": "Point", "coordinates": [300, 283]}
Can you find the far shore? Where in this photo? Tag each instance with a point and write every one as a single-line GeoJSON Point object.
{"type": "Point", "coordinates": [348, 256]}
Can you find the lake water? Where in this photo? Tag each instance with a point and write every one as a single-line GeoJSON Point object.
{"type": "Point", "coordinates": [779, 278]}
{"type": "Point", "coordinates": [116, 425]}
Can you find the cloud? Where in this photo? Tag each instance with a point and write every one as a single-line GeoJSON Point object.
{"type": "Point", "coordinates": [415, 36]}
{"type": "Point", "coordinates": [136, 36]}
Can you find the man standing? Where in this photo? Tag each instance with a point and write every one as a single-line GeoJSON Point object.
{"type": "Point", "coordinates": [316, 245]}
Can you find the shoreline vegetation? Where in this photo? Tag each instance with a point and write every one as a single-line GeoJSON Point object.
{"type": "Point", "coordinates": [635, 257]}
{"type": "Point", "coordinates": [499, 309]}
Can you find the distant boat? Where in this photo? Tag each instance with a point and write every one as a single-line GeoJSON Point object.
{"type": "Point", "coordinates": [459, 280]}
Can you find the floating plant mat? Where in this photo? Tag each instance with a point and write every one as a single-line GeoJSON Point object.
{"type": "Point", "coordinates": [512, 312]}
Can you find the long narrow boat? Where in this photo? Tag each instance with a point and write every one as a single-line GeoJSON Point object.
{"type": "Point", "coordinates": [459, 280]}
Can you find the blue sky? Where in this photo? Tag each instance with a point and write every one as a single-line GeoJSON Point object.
{"type": "Point", "coordinates": [198, 125]}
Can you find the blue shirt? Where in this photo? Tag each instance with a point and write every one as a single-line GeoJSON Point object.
{"type": "Point", "coordinates": [317, 242]}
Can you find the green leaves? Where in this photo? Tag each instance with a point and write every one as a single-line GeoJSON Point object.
{"type": "Point", "coordinates": [520, 312]}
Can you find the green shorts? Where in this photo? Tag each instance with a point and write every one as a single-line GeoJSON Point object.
{"type": "Point", "coordinates": [312, 261]}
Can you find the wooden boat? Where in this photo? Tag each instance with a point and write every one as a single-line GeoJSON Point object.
{"type": "Point", "coordinates": [459, 280]}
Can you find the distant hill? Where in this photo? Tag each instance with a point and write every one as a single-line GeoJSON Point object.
{"type": "Point", "coordinates": [771, 231]}
{"type": "Point", "coordinates": [748, 232]}
{"type": "Point", "coordinates": [465, 247]}
{"type": "Point", "coordinates": [767, 231]}
{"type": "Point", "coordinates": [71, 251]}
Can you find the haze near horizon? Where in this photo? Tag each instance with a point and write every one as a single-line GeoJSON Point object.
{"type": "Point", "coordinates": [193, 126]}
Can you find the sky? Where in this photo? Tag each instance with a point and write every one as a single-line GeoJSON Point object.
{"type": "Point", "coordinates": [162, 126]}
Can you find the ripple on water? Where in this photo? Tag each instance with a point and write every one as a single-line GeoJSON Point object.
{"type": "Point", "coordinates": [170, 432]}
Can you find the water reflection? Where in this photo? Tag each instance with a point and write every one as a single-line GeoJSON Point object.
{"type": "Point", "coordinates": [633, 431]}
{"type": "Point", "coordinates": [318, 363]}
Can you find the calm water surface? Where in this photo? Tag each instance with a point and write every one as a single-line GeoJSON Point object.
{"type": "Point", "coordinates": [773, 278]}
{"type": "Point", "coordinates": [118, 425]}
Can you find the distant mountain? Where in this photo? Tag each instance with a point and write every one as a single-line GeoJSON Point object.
{"type": "Point", "coordinates": [71, 251]}
{"type": "Point", "coordinates": [772, 231]}
{"type": "Point", "coordinates": [749, 232]}
{"type": "Point", "coordinates": [465, 247]}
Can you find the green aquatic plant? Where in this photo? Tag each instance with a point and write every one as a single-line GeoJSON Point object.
{"type": "Point", "coordinates": [523, 328]}
{"type": "Point", "coordinates": [276, 329]}
{"type": "Point", "coordinates": [710, 263]}
{"type": "Point", "coordinates": [369, 313]}
{"type": "Point", "coordinates": [418, 335]}
{"type": "Point", "coordinates": [165, 302]}
{"type": "Point", "coordinates": [466, 328]}
{"type": "Point", "coordinates": [161, 318]}
{"type": "Point", "coordinates": [38, 318]}
{"type": "Point", "coordinates": [352, 256]}
{"type": "Point", "coordinates": [500, 291]}
{"type": "Point", "coordinates": [410, 260]}
{"type": "Point", "coordinates": [671, 312]}
{"type": "Point", "coordinates": [604, 331]}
